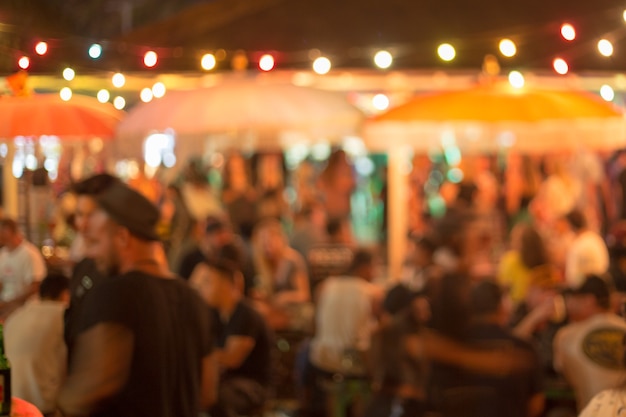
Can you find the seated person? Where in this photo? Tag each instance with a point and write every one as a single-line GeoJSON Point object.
{"type": "Point", "coordinates": [34, 345]}
{"type": "Point", "coordinates": [244, 341]}
{"type": "Point", "coordinates": [588, 352]}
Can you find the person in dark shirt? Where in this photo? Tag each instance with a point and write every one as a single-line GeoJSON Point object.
{"type": "Point", "coordinates": [244, 345]}
{"type": "Point", "coordinates": [517, 395]}
{"type": "Point", "coordinates": [144, 343]}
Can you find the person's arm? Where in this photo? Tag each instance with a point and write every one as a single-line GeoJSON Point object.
{"type": "Point", "coordinates": [301, 293]}
{"type": "Point", "coordinates": [209, 383]}
{"type": "Point", "coordinates": [536, 404]}
{"type": "Point", "coordinates": [99, 370]}
{"type": "Point", "coordinates": [235, 351]}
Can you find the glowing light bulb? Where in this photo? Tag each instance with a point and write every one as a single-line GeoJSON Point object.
{"type": "Point", "coordinates": [446, 52]}
{"type": "Point", "coordinates": [380, 102]}
{"type": "Point", "coordinates": [66, 93]}
{"type": "Point", "coordinates": [41, 48]}
{"type": "Point", "coordinates": [69, 74]}
{"type": "Point", "coordinates": [383, 59]}
{"type": "Point", "coordinates": [150, 59]}
{"type": "Point", "coordinates": [605, 47]}
{"type": "Point", "coordinates": [266, 63]}
{"type": "Point", "coordinates": [516, 79]}
{"type": "Point", "coordinates": [103, 96]}
{"type": "Point", "coordinates": [146, 95]}
{"type": "Point", "coordinates": [208, 62]}
{"type": "Point", "coordinates": [118, 80]}
{"type": "Point", "coordinates": [95, 51]}
{"type": "Point", "coordinates": [560, 66]}
{"type": "Point", "coordinates": [568, 32]}
{"type": "Point", "coordinates": [507, 48]}
{"type": "Point", "coordinates": [24, 62]}
{"type": "Point", "coordinates": [119, 102]}
{"type": "Point", "coordinates": [321, 65]}
{"type": "Point", "coordinates": [158, 89]}
{"type": "Point", "coordinates": [607, 92]}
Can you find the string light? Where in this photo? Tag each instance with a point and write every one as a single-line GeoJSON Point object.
{"type": "Point", "coordinates": [95, 51]}
{"type": "Point", "coordinates": [383, 59]}
{"type": "Point", "coordinates": [266, 63]}
{"type": "Point", "coordinates": [446, 52]}
{"type": "Point", "coordinates": [507, 48]}
{"type": "Point", "coordinates": [321, 65]}
{"type": "Point", "coordinates": [68, 74]}
{"type": "Point", "coordinates": [150, 59]}
{"type": "Point", "coordinates": [560, 66]}
{"type": "Point", "coordinates": [103, 96]}
{"type": "Point", "coordinates": [568, 32]}
{"type": "Point", "coordinates": [118, 80]}
{"type": "Point", "coordinates": [24, 62]}
{"type": "Point", "coordinates": [41, 48]}
{"type": "Point", "coordinates": [208, 62]}
{"type": "Point", "coordinates": [605, 47]}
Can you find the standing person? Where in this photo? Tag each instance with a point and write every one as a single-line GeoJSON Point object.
{"type": "Point", "coordinates": [244, 343]}
{"type": "Point", "coordinates": [33, 338]}
{"type": "Point", "coordinates": [144, 345]}
{"type": "Point", "coordinates": [21, 267]}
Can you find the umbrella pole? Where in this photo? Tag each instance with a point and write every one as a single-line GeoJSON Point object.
{"type": "Point", "coordinates": [397, 211]}
{"type": "Point", "coordinates": [10, 185]}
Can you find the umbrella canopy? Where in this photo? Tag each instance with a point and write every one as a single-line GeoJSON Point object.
{"type": "Point", "coordinates": [496, 116]}
{"type": "Point", "coordinates": [46, 114]}
{"type": "Point", "coordinates": [251, 113]}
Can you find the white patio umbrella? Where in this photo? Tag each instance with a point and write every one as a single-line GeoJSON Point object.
{"type": "Point", "coordinates": [240, 113]}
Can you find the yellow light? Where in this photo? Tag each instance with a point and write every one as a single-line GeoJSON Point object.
{"type": "Point", "coordinates": [605, 47]}
{"type": "Point", "coordinates": [568, 32]}
{"type": "Point", "coordinates": [624, 15]}
{"type": "Point", "coordinates": [208, 62]}
{"type": "Point", "coordinates": [69, 74]}
{"type": "Point", "coordinates": [158, 89]}
{"type": "Point", "coordinates": [150, 59]}
{"type": "Point", "coordinates": [266, 63]}
{"type": "Point", "coordinates": [516, 79]}
{"type": "Point", "coordinates": [380, 102]}
{"type": "Point", "coordinates": [103, 96]}
{"type": "Point", "coordinates": [446, 52]}
{"type": "Point", "coordinates": [24, 62]}
{"type": "Point", "coordinates": [118, 80]}
{"type": "Point", "coordinates": [321, 65]}
{"type": "Point", "coordinates": [607, 92]}
{"type": "Point", "coordinates": [41, 48]}
{"type": "Point", "coordinates": [66, 93]}
{"type": "Point", "coordinates": [507, 48]}
{"type": "Point", "coordinates": [119, 102]}
{"type": "Point", "coordinates": [146, 95]}
{"type": "Point", "coordinates": [560, 66]}
{"type": "Point", "coordinates": [383, 59]}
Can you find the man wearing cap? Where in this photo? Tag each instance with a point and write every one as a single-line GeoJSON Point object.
{"type": "Point", "coordinates": [143, 346]}
{"type": "Point", "coordinates": [589, 352]}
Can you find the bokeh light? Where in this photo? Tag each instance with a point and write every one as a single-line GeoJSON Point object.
{"type": "Point", "coordinates": [321, 65]}
{"type": "Point", "coordinates": [158, 89]}
{"type": "Point", "coordinates": [560, 66]}
{"type": "Point", "coordinates": [66, 93]}
{"type": "Point", "coordinates": [119, 102]}
{"type": "Point", "coordinates": [380, 102]}
{"type": "Point", "coordinates": [150, 59]}
{"type": "Point", "coordinates": [446, 52]}
{"type": "Point", "coordinates": [146, 95]}
{"type": "Point", "coordinates": [507, 48]}
{"type": "Point", "coordinates": [266, 63]}
{"type": "Point", "coordinates": [516, 79]}
{"type": "Point", "coordinates": [41, 48]}
{"type": "Point", "coordinates": [607, 92]}
{"type": "Point", "coordinates": [383, 59]}
{"type": "Point", "coordinates": [103, 96]}
{"type": "Point", "coordinates": [118, 80]}
{"type": "Point", "coordinates": [208, 62]}
{"type": "Point", "coordinates": [605, 47]}
{"type": "Point", "coordinates": [568, 32]}
{"type": "Point", "coordinates": [24, 62]}
{"type": "Point", "coordinates": [95, 51]}
{"type": "Point", "coordinates": [69, 74]}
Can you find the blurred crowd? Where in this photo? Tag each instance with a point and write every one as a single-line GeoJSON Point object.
{"type": "Point", "coordinates": [510, 302]}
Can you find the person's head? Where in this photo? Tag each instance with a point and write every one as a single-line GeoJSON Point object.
{"type": "Point", "coordinates": [118, 223]}
{"type": "Point", "coordinates": [338, 230]}
{"type": "Point", "coordinates": [490, 303]}
{"type": "Point", "coordinates": [593, 296]}
{"type": "Point", "coordinates": [55, 287]}
{"type": "Point", "coordinates": [362, 264]}
{"type": "Point", "coordinates": [222, 280]}
{"type": "Point", "coordinates": [424, 249]}
{"type": "Point", "coordinates": [401, 300]}
{"type": "Point", "coordinates": [217, 233]}
{"type": "Point", "coordinates": [576, 220]}
{"type": "Point", "coordinates": [269, 238]}
{"type": "Point", "coordinates": [532, 249]}
{"type": "Point", "coordinates": [10, 235]}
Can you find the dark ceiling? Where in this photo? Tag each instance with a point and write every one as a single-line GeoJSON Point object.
{"type": "Point", "coordinates": [348, 31]}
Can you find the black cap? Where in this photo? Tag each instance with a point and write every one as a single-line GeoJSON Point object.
{"type": "Point", "coordinates": [129, 209]}
{"type": "Point", "coordinates": [596, 286]}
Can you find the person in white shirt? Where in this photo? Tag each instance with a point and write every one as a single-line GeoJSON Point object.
{"type": "Point", "coordinates": [34, 345]}
{"type": "Point", "coordinates": [587, 254]}
{"type": "Point", "coordinates": [589, 352]}
{"type": "Point", "coordinates": [22, 267]}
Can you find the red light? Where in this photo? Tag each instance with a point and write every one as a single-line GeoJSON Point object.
{"type": "Point", "coordinates": [24, 62]}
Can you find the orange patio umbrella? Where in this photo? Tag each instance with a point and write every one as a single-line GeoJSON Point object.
{"type": "Point", "coordinates": [80, 117]}
{"type": "Point", "coordinates": [496, 116]}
